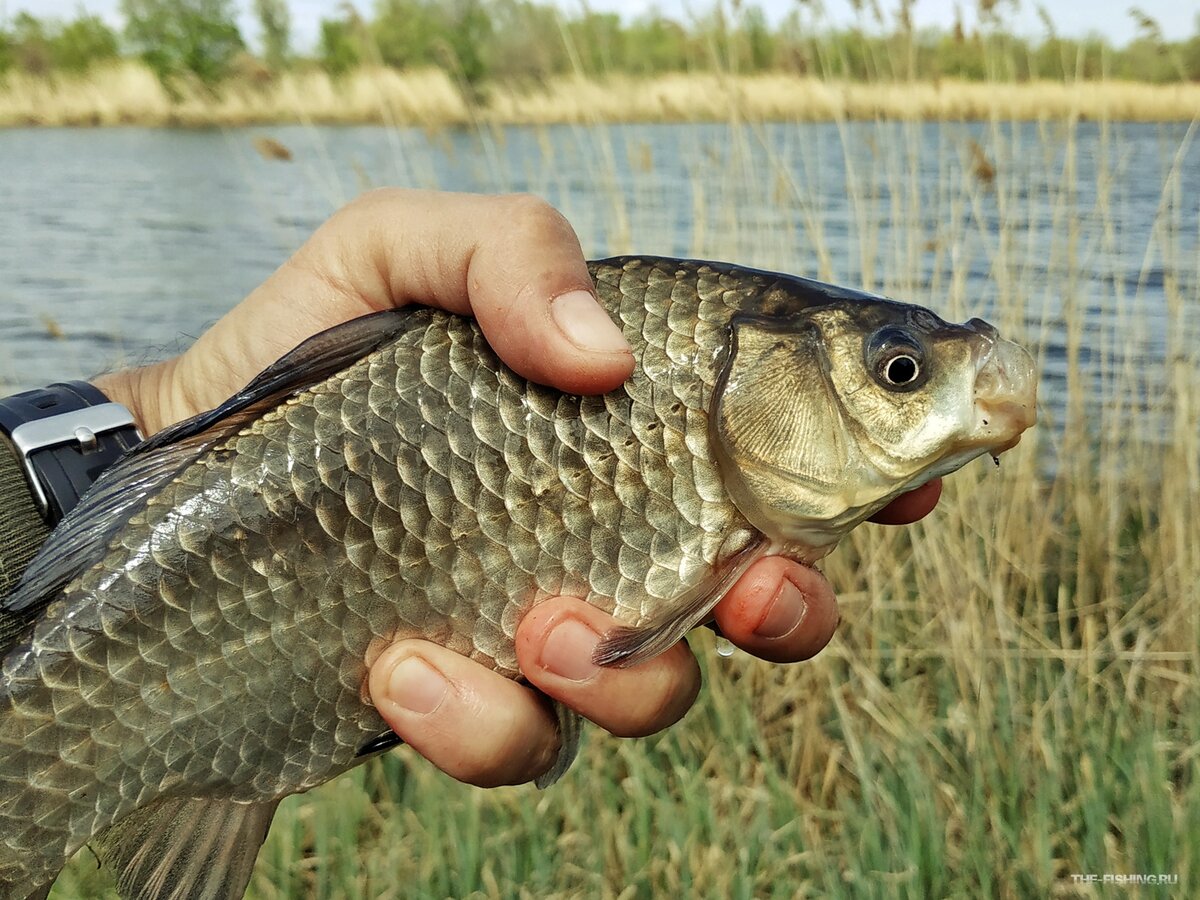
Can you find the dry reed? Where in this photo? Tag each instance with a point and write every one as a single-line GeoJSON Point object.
{"type": "Point", "coordinates": [128, 94]}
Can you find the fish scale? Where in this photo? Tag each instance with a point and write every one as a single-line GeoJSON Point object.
{"type": "Point", "coordinates": [216, 647]}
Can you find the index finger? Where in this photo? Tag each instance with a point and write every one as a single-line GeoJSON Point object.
{"type": "Point", "coordinates": [511, 261]}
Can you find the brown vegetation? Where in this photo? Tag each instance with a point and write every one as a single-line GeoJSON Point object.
{"type": "Point", "coordinates": [129, 94]}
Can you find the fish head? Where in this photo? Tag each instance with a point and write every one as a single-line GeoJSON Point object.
{"type": "Point", "coordinates": [823, 416]}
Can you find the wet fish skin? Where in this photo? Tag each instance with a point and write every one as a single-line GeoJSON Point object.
{"type": "Point", "coordinates": [213, 658]}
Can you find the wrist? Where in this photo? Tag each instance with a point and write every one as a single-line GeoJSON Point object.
{"type": "Point", "coordinates": [144, 392]}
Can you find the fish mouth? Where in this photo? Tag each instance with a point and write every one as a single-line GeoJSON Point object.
{"type": "Point", "coordinates": [1005, 395]}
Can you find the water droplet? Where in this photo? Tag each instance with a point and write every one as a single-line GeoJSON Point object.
{"type": "Point", "coordinates": [724, 647]}
{"type": "Point", "coordinates": [996, 460]}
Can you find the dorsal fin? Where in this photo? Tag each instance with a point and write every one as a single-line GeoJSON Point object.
{"type": "Point", "coordinates": [82, 537]}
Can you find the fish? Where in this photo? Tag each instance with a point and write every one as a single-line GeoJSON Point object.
{"type": "Point", "coordinates": [192, 643]}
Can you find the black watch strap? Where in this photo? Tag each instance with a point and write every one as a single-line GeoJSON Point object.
{"type": "Point", "coordinates": [64, 436]}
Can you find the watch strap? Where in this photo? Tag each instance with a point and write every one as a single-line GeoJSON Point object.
{"type": "Point", "coordinates": [64, 436]}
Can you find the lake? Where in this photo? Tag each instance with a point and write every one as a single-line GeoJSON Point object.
{"type": "Point", "coordinates": [119, 246]}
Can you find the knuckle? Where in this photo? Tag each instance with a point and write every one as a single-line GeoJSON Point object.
{"type": "Point", "coordinates": [382, 203]}
{"type": "Point", "coordinates": [528, 212]}
{"type": "Point", "coordinates": [361, 209]}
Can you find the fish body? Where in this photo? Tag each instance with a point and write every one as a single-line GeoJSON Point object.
{"type": "Point", "coordinates": [193, 643]}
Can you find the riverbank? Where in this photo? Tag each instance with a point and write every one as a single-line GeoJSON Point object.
{"type": "Point", "coordinates": [129, 94]}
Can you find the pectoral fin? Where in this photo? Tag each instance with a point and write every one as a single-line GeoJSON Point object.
{"type": "Point", "coordinates": [624, 647]}
{"type": "Point", "coordinates": [570, 730]}
{"type": "Point", "coordinates": [186, 849]}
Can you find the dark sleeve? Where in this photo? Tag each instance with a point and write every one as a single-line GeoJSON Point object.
{"type": "Point", "coordinates": [22, 529]}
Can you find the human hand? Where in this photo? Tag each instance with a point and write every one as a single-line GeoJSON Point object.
{"type": "Point", "coordinates": [516, 265]}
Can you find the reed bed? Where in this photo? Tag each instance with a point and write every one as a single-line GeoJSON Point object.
{"type": "Point", "coordinates": [129, 94]}
{"type": "Point", "coordinates": [1014, 694]}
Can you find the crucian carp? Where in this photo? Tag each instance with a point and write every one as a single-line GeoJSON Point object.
{"type": "Point", "coordinates": [192, 643]}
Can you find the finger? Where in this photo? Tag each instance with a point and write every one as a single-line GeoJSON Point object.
{"type": "Point", "coordinates": [511, 261]}
{"type": "Point", "coordinates": [555, 642]}
{"type": "Point", "coordinates": [533, 297]}
{"type": "Point", "coordinates": [779, 611]}
{"type": "Point", "coordinates": [470, 722]}
{"type": "Point", "coordinates": [912, 506]}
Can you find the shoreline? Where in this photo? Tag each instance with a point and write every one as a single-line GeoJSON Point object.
{"type": "Point", "coordinates": [129, 94]}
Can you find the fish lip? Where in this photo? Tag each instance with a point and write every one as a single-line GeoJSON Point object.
{"type": "Point", "coordinates": [1005, 394]}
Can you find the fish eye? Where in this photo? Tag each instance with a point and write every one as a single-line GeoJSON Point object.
{"type": "Point", "coordinates": [896, 359]}
{"type": "Point", "coordinates": [901, 370]}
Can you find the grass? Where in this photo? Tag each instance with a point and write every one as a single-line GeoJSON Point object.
{"type": "Point", "coordinates": [129, 94]}
{"type": "Point", "coordinates": [1014, 693]}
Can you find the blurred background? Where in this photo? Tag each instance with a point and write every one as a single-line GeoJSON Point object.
{"type": "Point", "coordinates": [1013, 697]}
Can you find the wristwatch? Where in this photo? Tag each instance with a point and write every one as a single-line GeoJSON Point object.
{"type": "Point", "coordinates": [64, 436]}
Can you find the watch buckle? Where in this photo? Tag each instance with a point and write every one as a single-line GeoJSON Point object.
{"type": "Point", "coordinates": [82, 427]}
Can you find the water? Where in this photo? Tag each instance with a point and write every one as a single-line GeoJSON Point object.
{"type": "Point", "coordinates": [119, 246]}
